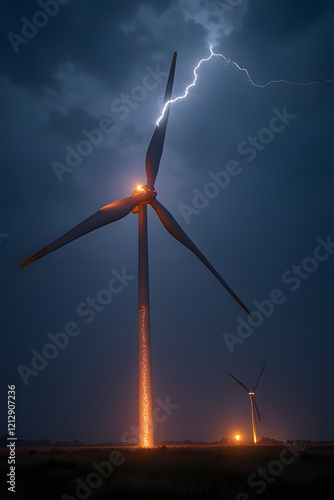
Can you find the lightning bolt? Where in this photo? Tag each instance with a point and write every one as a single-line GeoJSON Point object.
{"type": "Point", "coordinates": [250, 80]}
{"type": "Point", "coordinates": [187, 89]}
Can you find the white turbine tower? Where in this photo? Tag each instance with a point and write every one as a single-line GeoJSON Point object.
{"type": "Point", "coordinates": [137, 203]}
{"type": "Point", "coordinates": [251, 394]}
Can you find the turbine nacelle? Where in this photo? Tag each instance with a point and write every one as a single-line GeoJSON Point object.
{"type": "Point", "coordinates": [142, 195]}
{"type": "Point", "coordinates": [140, 190]}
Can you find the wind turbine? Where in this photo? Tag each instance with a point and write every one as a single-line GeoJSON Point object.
{"type": "Point", "coordinates": [251, 394]}
{"type": "Point", "coordinates": [137, 203]}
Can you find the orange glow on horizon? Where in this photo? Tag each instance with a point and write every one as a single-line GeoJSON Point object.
{"type": "Point", "coordinates": [237, 437]}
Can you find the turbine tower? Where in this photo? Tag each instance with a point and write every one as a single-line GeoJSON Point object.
{"type": "Point", "coordinates": [137, 203]}
{"type": "Point", "coordinates": [251, 394]}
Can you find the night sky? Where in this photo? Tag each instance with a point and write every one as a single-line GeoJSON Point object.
{"type": "Point", "coordinates": [246, 171]}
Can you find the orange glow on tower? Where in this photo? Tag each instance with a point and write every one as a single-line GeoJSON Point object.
{"type": "Point", "coordinates": [145, 391]}
{"type": "Point", "coordinates": [146, 438]}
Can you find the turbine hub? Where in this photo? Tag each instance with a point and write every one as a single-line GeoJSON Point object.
{"type": "Point", "coordinates": [144, 189]}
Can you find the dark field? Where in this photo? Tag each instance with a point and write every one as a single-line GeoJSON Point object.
{"type": "Point", "coordinates": [296, 472]}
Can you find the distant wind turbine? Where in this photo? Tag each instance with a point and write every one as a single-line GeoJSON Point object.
{"type": "Point", "coordinates": [137, 203]}
{"type": "Point", "coordinates": [251, 394]}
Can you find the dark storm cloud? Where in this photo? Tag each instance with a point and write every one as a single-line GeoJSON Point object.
{"type": "Point", "coordinates": [66, 124]}
{"type": "Point", "coordinates": [66, 79]}
{"type": "Point", "coordinates": [282, 22]}
{"type": "Point", "coordinates": [299, 37]}
{"type": "Point", "coordinates": [130, 136]}
{"type": "Point", "coordinates": [91, 34]}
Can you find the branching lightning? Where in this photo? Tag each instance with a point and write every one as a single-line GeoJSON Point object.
{"type": "Point", "coordinates": [250, 81]}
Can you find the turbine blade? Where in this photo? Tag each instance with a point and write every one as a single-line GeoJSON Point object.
{"type": "Point", "coordinates": [242, 385]}
{"type": "Point", "coordinates": [255, 386]}
{"type": "Point", "coordinates": [257, 410]}
{"type": "Point", "coordinates": [110, 213]}
{"type": "Point", "coordinates": [175, 230]}
{"type": "Point", "coordinates": [154, 151]}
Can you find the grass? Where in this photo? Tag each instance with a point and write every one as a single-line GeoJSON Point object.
{"type": "Point", "coordinates": [192, 472]}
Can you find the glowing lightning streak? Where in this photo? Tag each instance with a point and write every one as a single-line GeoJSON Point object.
{"type": "Point", "coordinates": [212, 54]}
{"type": "Point", "coordinates": [187, 89]}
